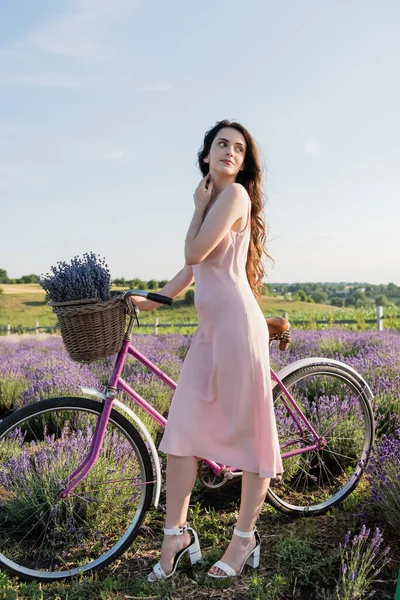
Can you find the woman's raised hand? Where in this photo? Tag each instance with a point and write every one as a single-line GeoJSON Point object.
{"type": "Point", "coordinates": [202, 194]}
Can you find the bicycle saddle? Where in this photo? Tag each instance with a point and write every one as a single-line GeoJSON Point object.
{"type": "Point", "coordinates": [279, 329]}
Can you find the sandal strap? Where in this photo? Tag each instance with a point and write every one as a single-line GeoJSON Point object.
{"type": "Point", "coordinates": [176, 530]}
{"type": "Point", "coordinates": [227, 569]}
{"type": "Point", "coordinates": [159, 572]}
{"type": "Point", "coordinates": [244, 534]}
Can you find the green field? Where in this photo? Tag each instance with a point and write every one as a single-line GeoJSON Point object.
{"type": "Point", "coordinates": [22, 306]}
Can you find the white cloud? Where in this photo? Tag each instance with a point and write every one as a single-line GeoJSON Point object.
{"type": "Point", "coordinates": [82, 32]}
{"type": "Point", "coordinates": [80, 48]}
{"type": "Point", "coordinates": [113, 154]}
{"type": "Point", "coordinates": [312, 147]}
{"type": "Point", "coordinates": [116, 82]}
{"type": "Point", "coordinates": [157, 87]}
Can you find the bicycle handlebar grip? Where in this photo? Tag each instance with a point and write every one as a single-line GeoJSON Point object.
{"type": "Point", "coordinates": [160, 298]}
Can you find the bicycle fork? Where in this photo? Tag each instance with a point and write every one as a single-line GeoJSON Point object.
{"type": "Point", "coordinates": [95, 446]}
{"type": "Point", "coordinates": [109, 401]}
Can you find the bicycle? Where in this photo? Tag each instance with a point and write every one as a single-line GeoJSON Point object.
{"type": "Point", "coordinates": [78, 475]}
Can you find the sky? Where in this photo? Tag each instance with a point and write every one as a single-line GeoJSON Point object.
{"type": "Point", "coordinates": [104, 105]}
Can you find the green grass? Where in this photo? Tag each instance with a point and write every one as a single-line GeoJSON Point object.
{"type": "Point", "coordinates": [22, 306]}
{"type": "Point", "coordinates": [24, 310]}
{"type": "Point", "coordinates": [299, 559]}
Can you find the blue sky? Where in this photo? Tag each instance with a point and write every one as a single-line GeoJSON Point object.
{"type": "Point", "coordinates": [104, 104]}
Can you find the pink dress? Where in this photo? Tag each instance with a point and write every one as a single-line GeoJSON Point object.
{"type": "Point", "coordinates": [222, 408]}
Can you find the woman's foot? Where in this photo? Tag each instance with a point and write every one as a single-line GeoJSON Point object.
{"type": "Point", "coordinates": [171, 545]}
{"type": "Point", "coordinates": [237, 552]}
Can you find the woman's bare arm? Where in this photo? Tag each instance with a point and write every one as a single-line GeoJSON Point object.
{"type": "Point", "coordinates": [204, 235]}
{"type": "Point", "coordinates": [173, 288]}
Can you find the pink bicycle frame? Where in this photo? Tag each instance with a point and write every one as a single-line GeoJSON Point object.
{"type": "Point", "coordinates": [117, 383]}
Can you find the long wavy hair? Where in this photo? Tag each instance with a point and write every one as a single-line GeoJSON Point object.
{"type": "Point", "coordinates": [250, 178]}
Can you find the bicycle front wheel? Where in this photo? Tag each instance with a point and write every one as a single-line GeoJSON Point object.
{"type": "Point", "coordinates": [45, 537]}
{"type": "Point", "coordinates": [336, 403]}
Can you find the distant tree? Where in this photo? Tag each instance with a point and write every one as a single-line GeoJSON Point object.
{"type": "Point", "coordinates": [381, 300]}
{"type": "Point", "coordinates": [267, 290]}
{"type": "Point", "coordinates": [152, 284]}
{"type": "Point", "coordinates": [28, 279]}
{"type": "Point", "coordinates": [360, 303]}
{"type": "Point", "coordinates": [162, 283]}
{"type": "Point", "coordinates": [357, 299]}
{"type": "Point", "coordinates": [393, 290]}
{"type": "Point", "coordinates": [370, 291]}
{"type": "Point", "coordinates": [337, 301]}
{"type": "Point", "coordinates": [3, 276]}
{"type": "Point", "coordinates": [138, 284]}
{"type": "Point", "coordinates": [302, 296]}
{"type": "Point", "coordinates": [120, 282]}
{"type": "Point", "coordinates": [319, 296]}
{"type": "Point", "coordinates": [189, 297]}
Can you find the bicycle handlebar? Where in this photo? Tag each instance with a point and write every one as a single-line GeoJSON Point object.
{"type": "Point", "coordinates": [150, 296]}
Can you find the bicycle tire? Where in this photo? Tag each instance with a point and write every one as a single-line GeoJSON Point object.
{"type": "Point", "coordinates": [27, 434]}
{"type": "Point", "coordinates": [309, 469]}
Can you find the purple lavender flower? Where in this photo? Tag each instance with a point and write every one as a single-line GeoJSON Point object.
{"type": "Point", "coordinates": [84, 278]}
{"type": "Point", "coordinates": [45, 370]}
{"type": "Point", "coordinates": [347, 538]}
{"type": "Point", "coordinates": [383, 475]}
{"type": "Point", "coordinates": [361, 562]}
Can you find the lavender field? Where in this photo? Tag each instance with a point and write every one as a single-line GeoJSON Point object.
{"type": "Point", "coordinates": [31, 370]}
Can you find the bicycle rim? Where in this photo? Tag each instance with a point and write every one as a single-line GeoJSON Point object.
{"type": "Point", "coordinates": [337, 405]}
{"type": "Point", "coordinates": [45, 537]}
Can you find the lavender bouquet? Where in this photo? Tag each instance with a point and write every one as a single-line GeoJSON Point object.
{"type": "Point", "coordinates": [83, 278]}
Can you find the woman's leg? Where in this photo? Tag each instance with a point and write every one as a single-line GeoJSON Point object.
{"type": "Point", "coordinates": [181, 477]}
{"type": "Point", "coordinates": [254, 490]}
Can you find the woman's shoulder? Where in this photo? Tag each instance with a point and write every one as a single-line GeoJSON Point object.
{"type": "Point", "coordinates": [236, 191]}
{"type": "Point", "coordinates": [236, 188]}
{"type": "Point", "coordinates": [233, 197]}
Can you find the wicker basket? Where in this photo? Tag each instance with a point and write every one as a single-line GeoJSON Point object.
{"type": "Point", "coordinates": [91, 329]}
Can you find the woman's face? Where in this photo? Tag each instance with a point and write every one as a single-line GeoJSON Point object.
{"type": "Point", "coordinates": [227, 152]}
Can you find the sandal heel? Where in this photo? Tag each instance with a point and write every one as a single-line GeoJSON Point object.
{"type": "Point", "coordinates": [254, 558]}
{"type": "Point", "coordinates": [194, 551]}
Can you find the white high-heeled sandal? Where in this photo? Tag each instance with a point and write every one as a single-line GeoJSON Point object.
{"type": "Point", "coordinates": [193, 549]}
{"type": "Point", "coordinates": [252, 559]}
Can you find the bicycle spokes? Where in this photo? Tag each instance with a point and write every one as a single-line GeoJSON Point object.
{"type": "Point", "coordinates": [44, 532]}
{"type": "Point", "coordinates": [337, 410]}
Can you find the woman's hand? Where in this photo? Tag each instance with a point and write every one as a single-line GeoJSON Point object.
{"type": "Point", "coordinates": [143, 304]}
{"type": "Point", "coordinates": [202, 195]}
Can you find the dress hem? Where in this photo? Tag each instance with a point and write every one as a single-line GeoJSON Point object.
{"type": "Point", "coordinates": [264, 474]}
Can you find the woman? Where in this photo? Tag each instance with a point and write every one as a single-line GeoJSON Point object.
{"type": "Point", "coordinates": [222, 407]}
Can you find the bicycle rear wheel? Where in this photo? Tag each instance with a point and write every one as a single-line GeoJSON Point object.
{"type": "Point", "coordinates": [45, 537]}
{"type": "Point", "coordinates": [336, 402]}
